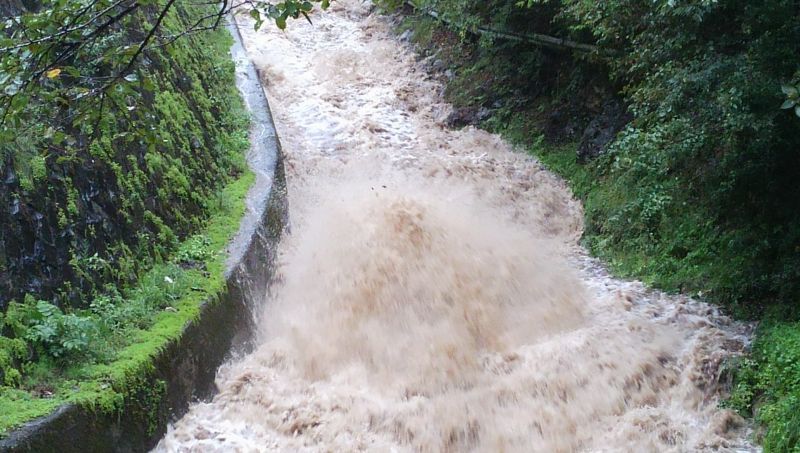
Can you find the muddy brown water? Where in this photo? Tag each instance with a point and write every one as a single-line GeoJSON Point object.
{"type": "Point", "coordinates": [432, 295]}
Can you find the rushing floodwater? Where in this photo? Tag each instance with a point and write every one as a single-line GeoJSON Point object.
{"type": "Point", "coordinates": [432, 295]}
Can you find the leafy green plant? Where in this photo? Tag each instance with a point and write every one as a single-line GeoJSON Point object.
{"type": "Point", "coordinates": [280, 12]}
{"type": "Point", "coordinates": [54, 333]}
{"type": "Point", "coordinates": [767, 385]}
{"type": "Point", "coordinates": [792, 101]}
{"type": "Point", "coordinates": [117, 314]}
{"type": "Point", "coordinates": [13, 355]}
{"type": "Point", "coordinates": [160, 287]}
{"type": "Point", "coordinates": [196, 248]}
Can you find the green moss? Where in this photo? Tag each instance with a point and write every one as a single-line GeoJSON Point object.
{"type": "Point", "coordinates": [38, 169]}
{"type": "Point", "coordinates": [19, 406]}
{"type": "Point", "coordinates": [105, 386]}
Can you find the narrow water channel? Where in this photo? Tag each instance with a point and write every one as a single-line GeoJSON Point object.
{"type": "Point", "coordinates": [432, 295]}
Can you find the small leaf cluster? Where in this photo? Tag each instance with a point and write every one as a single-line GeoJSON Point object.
{"type": "Point", "coordinates": [792, 101]}
{"type": "Point", "coordinates": [280, 12]}
{"type": "Point", "coordinates": [50, 331]}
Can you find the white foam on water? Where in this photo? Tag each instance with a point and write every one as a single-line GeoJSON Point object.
{"type": "Point", "coordinates": [432, 296]}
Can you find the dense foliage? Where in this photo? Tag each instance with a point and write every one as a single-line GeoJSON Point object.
{"type": "Point", "coordinates": [705, 82]}
{"type": "Point", "coordinates": [698, 191]}
{"type": "Point", "coordinates": [768, 385]}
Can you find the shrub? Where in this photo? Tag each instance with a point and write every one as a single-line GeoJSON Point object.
{"type": "Point", "coordinates": [50, 331]}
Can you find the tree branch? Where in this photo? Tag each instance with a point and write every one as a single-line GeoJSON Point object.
{"type": "Point", "coordinates": [142, 45]}
{"type": "Point", "coordinates": [532, 38]}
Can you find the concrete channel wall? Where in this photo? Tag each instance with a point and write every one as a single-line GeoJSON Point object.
{"type": "Point", "coordinates": [185, 369]}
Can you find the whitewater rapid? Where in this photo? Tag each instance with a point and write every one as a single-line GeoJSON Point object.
{"type": "Point", "coordinates": [432, 295]}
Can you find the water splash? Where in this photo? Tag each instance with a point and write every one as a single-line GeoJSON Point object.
{"type": "Point", "coordinates": [432, 297]}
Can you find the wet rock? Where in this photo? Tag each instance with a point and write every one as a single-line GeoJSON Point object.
{"type": "Point", "coordinates": [92, 192]}
{"type": "Point", "coordinates": [184, 83]}
{"type": "Point", "coordinates": [95, 214]}
{"type": "Point", "coordinates": [563, 124]}
{"type": "Point", "coordinates": [11, 8]}
{"type": "Point", "coordinates": [14, 208]}
{"type": "Point", "coordinates": [11, 178]}
{"type": "Point", "coordinates": [602, 130]}
{"type": "Point", "coordinates": [467, 116]}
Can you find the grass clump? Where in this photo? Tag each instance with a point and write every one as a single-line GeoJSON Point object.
{"type": "Point", "coordinates": [767, 385]}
